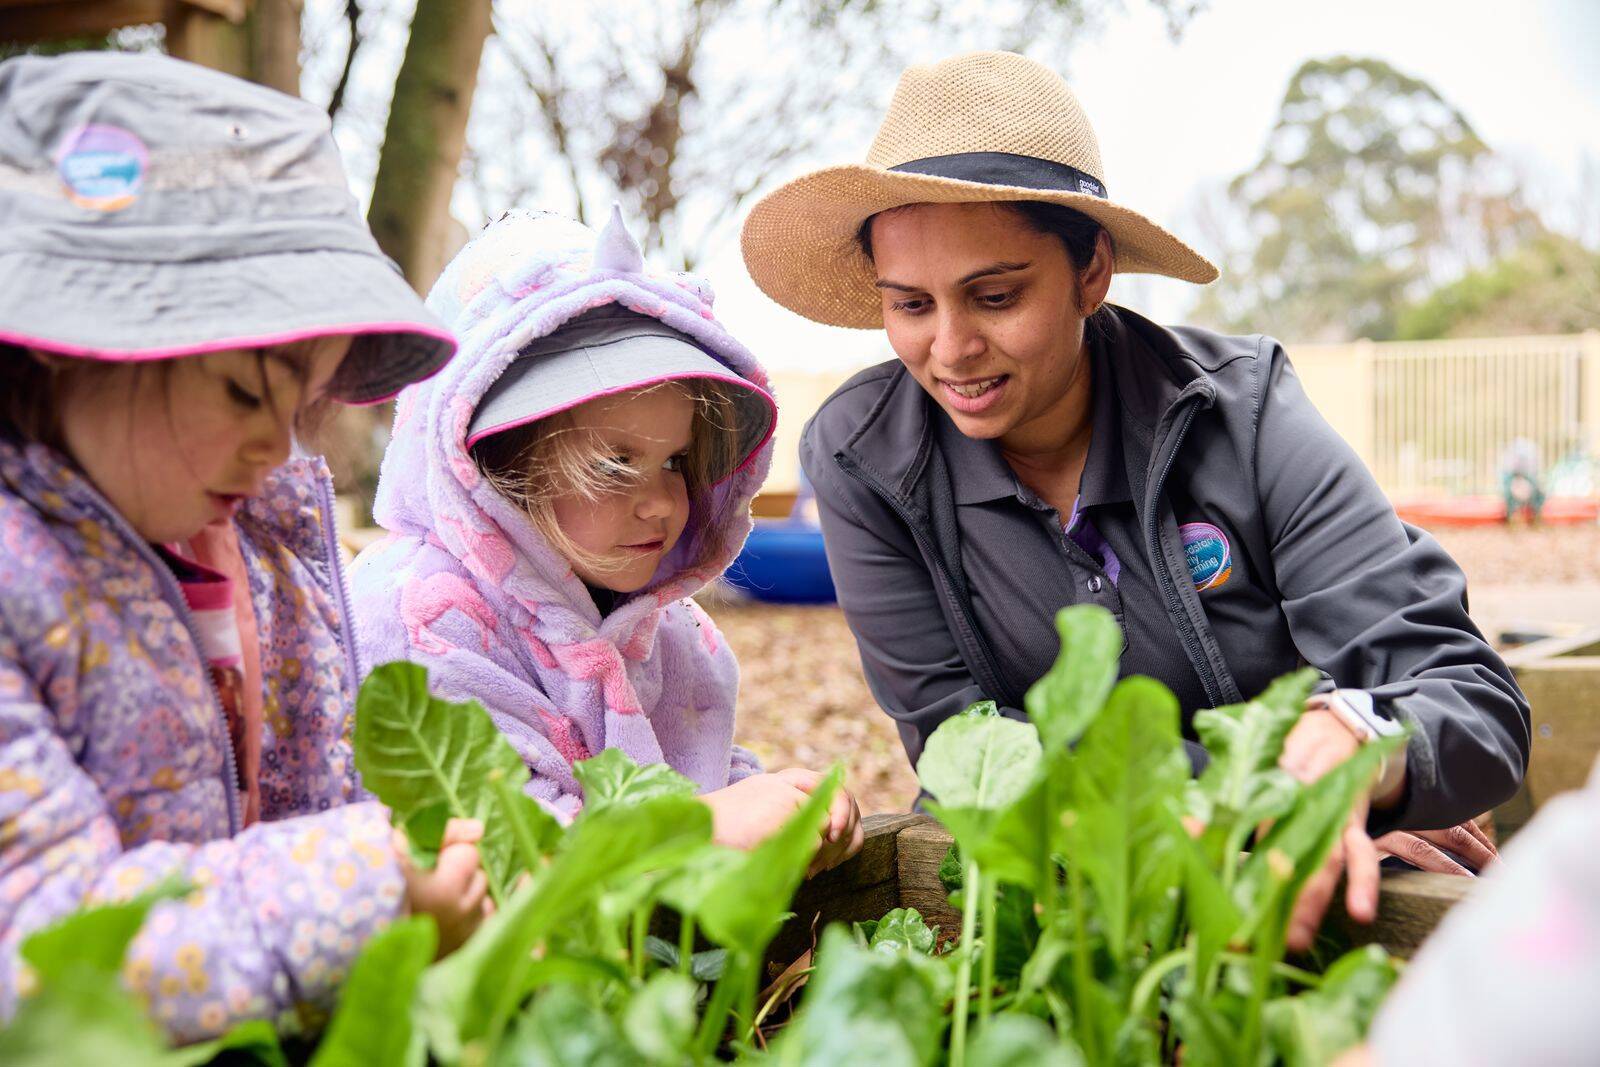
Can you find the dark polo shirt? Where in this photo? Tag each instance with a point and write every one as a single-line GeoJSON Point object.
{"type": "Point", "coordinates": [1008, 532]}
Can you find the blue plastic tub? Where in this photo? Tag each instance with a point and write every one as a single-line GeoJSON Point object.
{"type": "Point", "coordinates": [783, 563]}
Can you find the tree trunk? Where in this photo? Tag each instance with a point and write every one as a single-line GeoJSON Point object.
{"type": "Point", "coordinates": [274, 31]}
{"type": "Point", "coordinates": [426, 135]}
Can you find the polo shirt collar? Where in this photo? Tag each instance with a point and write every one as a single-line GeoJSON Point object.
{"type": "Point", "coordinates": [980, 475]}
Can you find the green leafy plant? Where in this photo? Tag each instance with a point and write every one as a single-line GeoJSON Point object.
{"type": "Point", "coordinates": [1096, 928]}
{"type": "Point", "coordinates": [1148, 938]}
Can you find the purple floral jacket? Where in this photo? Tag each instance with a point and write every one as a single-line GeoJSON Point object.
{"type": "Point", "coordinates": [117, 773]}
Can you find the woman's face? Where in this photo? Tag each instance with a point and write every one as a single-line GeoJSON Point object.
{"type": "Point", "coordinates": [177, 448]}
{"type": "Point", "coordinates": [983, 311]}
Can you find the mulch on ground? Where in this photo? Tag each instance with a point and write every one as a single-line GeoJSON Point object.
{"type": "Point", "coordinates": [803, 700]}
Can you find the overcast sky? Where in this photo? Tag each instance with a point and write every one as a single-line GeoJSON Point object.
{"type": "Point", "coordinates": [1170, 116]}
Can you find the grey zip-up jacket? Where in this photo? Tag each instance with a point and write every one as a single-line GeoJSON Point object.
{"type": "Point", "coordinates": [1251, 540]}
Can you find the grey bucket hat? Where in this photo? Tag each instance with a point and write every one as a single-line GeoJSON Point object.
{"type": "Point", "coordinates": [606, 351]}
{"type": "Point", "coordinates": [152, 209]}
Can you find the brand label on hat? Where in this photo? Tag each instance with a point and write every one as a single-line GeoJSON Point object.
{"type": "Point", "coordinates": [102, 166]}
{"type": "Point", "coordinates": [1206, 550]}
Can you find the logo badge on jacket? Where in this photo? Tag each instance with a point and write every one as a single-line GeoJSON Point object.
{"type": "Point", "coordinates": [1206, 549]}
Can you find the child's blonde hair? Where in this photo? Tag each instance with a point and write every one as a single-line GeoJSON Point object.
{"type": "Point", "coordinates": [532, 465]}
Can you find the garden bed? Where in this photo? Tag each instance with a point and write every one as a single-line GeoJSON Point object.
{"type": "Point", "coordinates": [898, 867]}
{"type": "Point", "coordinates": [1561, 678]}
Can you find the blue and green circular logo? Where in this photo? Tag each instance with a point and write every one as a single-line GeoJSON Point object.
{"type": "Point", "coordinates": [1206, 550]}
{"type": "Point", "coordinates": [102, 166]}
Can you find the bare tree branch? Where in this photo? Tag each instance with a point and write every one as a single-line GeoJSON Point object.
{"type": "Point", "coordinates": [352, 18]}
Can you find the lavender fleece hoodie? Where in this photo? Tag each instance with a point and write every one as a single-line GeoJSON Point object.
{"type": "Point", "coordinates": [116, 767]}
{"type": "Point", "coordinates": [466, 586]}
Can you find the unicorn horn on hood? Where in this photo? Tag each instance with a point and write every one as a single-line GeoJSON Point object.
{"type": "Point", "coordinates": [615, 249]}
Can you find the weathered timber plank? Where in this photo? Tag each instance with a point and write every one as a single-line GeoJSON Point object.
{"type": "Point", "coordinates": [1564, 693]}
{"type": "Point", "coordinates": [74, 18]}
{"type": "Point", "coordinates": [1584, 642]}
{"type": "Point", "coordinates": [923, 845]}
{"type": "Point", "coordinates": [863, 887]}
{"type": "Point", "coordinates": [1410, 905]}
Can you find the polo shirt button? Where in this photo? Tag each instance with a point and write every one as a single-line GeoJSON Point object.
{"type": "Point", "coordinates": [1095, 584]}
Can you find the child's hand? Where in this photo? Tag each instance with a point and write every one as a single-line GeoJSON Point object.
{"type": "Point", "coordinates": [746, 813]}
{"type": "Point", "coordinates": [842, 836]}
{"type": "Point", "coordinates": [456, 891]}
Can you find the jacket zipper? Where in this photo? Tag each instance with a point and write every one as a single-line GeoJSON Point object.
{"type": "Point", "coordinates": [340, 583]}
{"type": "Point", "coordinates": [992, 686]}
{"type": "Point", "coordinates": [1191, 640]}
{"type": "Point", "coordinates": [174, 597]}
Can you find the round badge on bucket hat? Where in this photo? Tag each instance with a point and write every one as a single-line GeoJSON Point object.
{"type": "Point", "coordinates": [981, 127]}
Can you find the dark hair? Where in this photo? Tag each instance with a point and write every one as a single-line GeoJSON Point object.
{"type": "Point", "coordinates": [1077, 232]}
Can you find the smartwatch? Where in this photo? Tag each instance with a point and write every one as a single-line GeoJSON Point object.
{"type": "Point", "coordinates": [1354, 708]}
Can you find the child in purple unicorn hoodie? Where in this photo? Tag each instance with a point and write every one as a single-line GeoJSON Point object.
{"type": "Point", "coordinates": [555, 496]}
{"type": "Point", "coordinates": [184, 279]}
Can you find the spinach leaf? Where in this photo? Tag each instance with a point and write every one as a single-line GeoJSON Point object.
{"type": "Point", "coordinates": [613, 778]}
{"type": "Point", "coordinates": [415, 752]}
{"type": "Point", "coordinates": [1070, 695]}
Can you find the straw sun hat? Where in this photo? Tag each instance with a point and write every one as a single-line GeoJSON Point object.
{"type": "Point", "coordinates": [989, 126]}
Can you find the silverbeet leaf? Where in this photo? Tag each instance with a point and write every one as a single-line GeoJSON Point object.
{"type": "Point", "coordinates": [373, 1022]}
{"type": "Point", "coordinates": [415, 752]}
{"type": "Point", "coordinates": [1070, 695]}
{"type": "Point", "coordinates": [613, 778]}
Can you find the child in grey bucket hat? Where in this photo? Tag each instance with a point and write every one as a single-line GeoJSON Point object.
{"type": "Point", "coordinates": [183, 275]}
{"type": "Point", "coordinates": [153, 208]}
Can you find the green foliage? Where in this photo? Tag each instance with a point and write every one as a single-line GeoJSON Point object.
{"type": "Point", "coordinates": [1371, 189]}
{"type": "Point", "coordinates": [1135, 937]}
{"type": "Point", "coordinates": [902, 930]}
{"type": "Point", "coordinates": [419, 753]}
{"type": "Point", "coordinates": [1550, 285]}
{"type": "Point", "coordinates": [1096, 929]}
{"type": "Point", "coordinates": [368, 1028]}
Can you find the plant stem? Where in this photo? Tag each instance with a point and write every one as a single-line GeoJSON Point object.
{"type": "Point", "coordinates": [1282, 970]}
{"type": "Point", "coordinates": [1083, 1014]}
{"type": "Point", "coordinates": [686, 946]}
{"type": "Point", "coordinates": [641, 927]}
{"type": "Point", "coordinates": [715, 1020]}
{"type": "Point", "coordinates": [969, 936]}
{"type": "Point", "coordinates": [991, 926]}
{"type": "Point", "coordinates": [1268, 950]}
{"type": "Point", "coordinates": [1150, 980]}
{"type": "Point", "coordinates": [527, 844]}
{"type": "Point", "coordinates": [772, 1001]}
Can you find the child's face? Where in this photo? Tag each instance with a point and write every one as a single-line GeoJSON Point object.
{"type": "Point", "coordinates": [177, 448]}
{"type": "Point", "coordinates": [631, 529]}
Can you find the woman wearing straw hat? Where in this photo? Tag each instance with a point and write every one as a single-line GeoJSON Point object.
{"type": "Point", "coordinates": [1034, 446]}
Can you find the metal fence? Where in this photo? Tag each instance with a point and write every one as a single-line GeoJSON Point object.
{"type": "Point", "coordinates": [1435, 417]}
{"type": "Point", "coordinates": [1429, 418]}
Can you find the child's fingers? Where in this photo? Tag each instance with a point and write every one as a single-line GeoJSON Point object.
{"type": "Point", "coordinates": [462, 831]}
{"type": "Point", "coordinates": [800, 778]}
{"type": "Point", "coordinates": [456, 866]}
{"type": "Point", "coordinates": [477, 894]}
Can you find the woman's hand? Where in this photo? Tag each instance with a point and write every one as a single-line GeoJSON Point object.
{"type": "Point", "coordinates": [1318, 743]}
{"type": "Point", "coordinates": [746, 813]}
{"type": "Point", "coordinates": [456, 891]}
